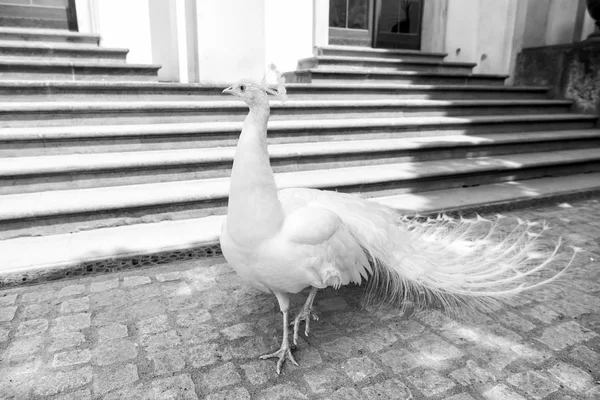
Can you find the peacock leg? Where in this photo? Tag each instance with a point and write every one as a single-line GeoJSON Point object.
{"type": "Point", "coordinates": [284, 352]}
{"type": "Point", "coordinates": [305, 315]}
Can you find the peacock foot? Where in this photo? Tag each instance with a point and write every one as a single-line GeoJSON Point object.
{"type": "Point", "coordinates": [283, 353]}
{"type": "Point", "coordinates": [304, 315]}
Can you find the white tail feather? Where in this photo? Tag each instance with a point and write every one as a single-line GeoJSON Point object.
{"type": "Point", "coordinates": [452, 261]}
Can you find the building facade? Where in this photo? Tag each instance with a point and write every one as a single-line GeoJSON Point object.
{"type": "Point", "coordinates": [220, 41]}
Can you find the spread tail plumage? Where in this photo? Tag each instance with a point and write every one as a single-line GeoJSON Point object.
{"type": "Point", "coordinates": [466, 262]}
{"type": "Point", "coordinates": [452, 262]}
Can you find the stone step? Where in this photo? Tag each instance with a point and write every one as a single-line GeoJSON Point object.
{"type": "Point", "coordinates": [52, 13]}
{"type": "Point", "coordinates": [33, 90]}
{"type": "Point", "coordinates": [334, 75]}
{"type": "Point", "coordinates": [55, 256]}
{"type": "Point", "coordinates": [17, 22]}
{"type": "Point", "coordinates": [368, 52]}
{"type": "Point", "coordinates": [48, 35]}
{"type": "Point", "coordinates": [36, 174]}
{"type": "Point", "coordinates": [25, 51]}
{"type": "Point", "coordinates": [76, 71]}
{"type": "Point", "coordinates": [385, 64]}
{"type": "Point", "coordinates": [36, 141]}
{"type": "Point", "coordinates": [63, 211]}
{"type": "Point", "coordinates": [16, 114]}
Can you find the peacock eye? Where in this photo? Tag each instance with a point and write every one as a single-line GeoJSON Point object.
{"type": "Point", "coordinates": [242, 88]}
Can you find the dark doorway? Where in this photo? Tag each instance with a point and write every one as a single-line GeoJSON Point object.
{"type": "Point", "coordinates": [376, 23]}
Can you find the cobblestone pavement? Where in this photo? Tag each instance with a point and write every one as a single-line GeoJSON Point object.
{"type": "Point", "coordinates": [192, 330]}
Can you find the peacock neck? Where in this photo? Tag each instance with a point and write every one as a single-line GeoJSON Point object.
{"type": "Point", "coordinates": [254, 211]}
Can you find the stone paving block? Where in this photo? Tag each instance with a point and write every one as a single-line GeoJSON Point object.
{"type": "Point", "coordinates": [174, 289]}
{"type": "Point", "coordinates": [399, 360]}
{"type": "Point", "coordinates": [130, 281]}
{"type": "Point", "coordinates": [514, 321]}
{"type": "Point", "coordinates": [83, 394]}
{"type": "Point", "coordinates": [37, 296]}
{"type": "Point", "coordinates": [34, 311]}
{"type": "Point", "coordinates": [179, 387]}
{"type": "Point", "coordinates": [435, 348]}
{"type": "Point", "coordinates": [258, 372]}
{"type": "Point", "coordinates": [160, 341]}
{"type": "Point", "coordinates": [68, 358]}
{"type": "Point", "coordinates": [7, 313]}
{"type": "Point", "coordinates": [71, 290]}
{"type": "Point", "coordinates": [392, 389]}
{"type": "Point", "coordinates": [219, 377]}
{"type": "Point", "coordinates": [531, 354]}
{"type": "Point", "coordinates": [541, 313]}
{"type": "Point", "coordinates": [4, 332]}
{"type": "Point", "coordinates": [430, 383]}
{"type": "Point", "coordinates": [231, 394]}
{"type": "Point", "coordinates": [179, 303]}
{"type": "Point", "coordinates": [204, 354]}
{"type": "Point", "coordinates": [307, 356]}
{"type": "Point", "coordinates": [153, 325]}
{"type": "Point", "coordinates": [238, 331]}
{"type": "Point", "coordinates": [252, 347]}
{"type": "Point", "coordinates": [586, 356]}
{"type": "Point", "coordinates": [111, 298]}
{"type": "Point", "coordinates": [114, 351]}
{"type": "Point", "coordinates": [494, 357]}
{"type": "Point", "coordinates": [66, 340]}
{"type": "Point", "coordinates": [572, 377]}
{"type": "Point", "coordinates": [167, 362]}
{"type": "Point", "coordinates": [472, 374]}
{"type": "Point", "coordinates": [576, 304]}
{"type": "Point", "coordinates": [566, 334]}
{"type": "Point", "coordinates": [376, 339]}
{"type": "Point", "coordinates": [32, 327]}
{"type": "Point", "coordinates": [24, 347]}
{"type": "Point", "coordinates": [195, 336]}
{"type": "Point", "coordinates": [341, 347]}
{"type": "Point", "coordinates": [169, 276]}
{"type": "Point", "coordinates": [461, 396]}
{"type": "Point", "coordinates": [406, 329]}
{"type": "Point", "coordinates": [346, 393]}
{"type": "Point", "coordinates": [73, 322]}
{"type": "Point", "coordinates": [282, 392]}
{"type": "Point", "coordinates": [497, 335]}
{"type": "Point", "coordinates": [195, 319]}
{"type": "Point", "coordinates": [51, 384]}
{"type": "Point", "coordinates": [104, 285]}
{"type": "Point", "coordinates": [112, 331]}
{"type": "Point", "coordinates": [361, 368]}
{"type": "Point", "coordinates": [502, 392]}
{"type": "Point", "coordinates": [352, 321]}
{"type": "Point", "coordinates": [141, 293]}
{"type": "Point", "coordinates": [534, 384]}
{"type": "Point", "coordinates": [202, 278]}
{"type": "Point", "coordinates": [75, 305]}
{"type": "Point", "coordinates": [7, 299]}
{"type": "Point", "coordinates": [325, 380]}
{"type": "Point", "coordinates": [110, 378]}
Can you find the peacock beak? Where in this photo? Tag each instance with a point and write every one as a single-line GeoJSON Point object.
{"type": "Point", "coordinates": [228, 90]}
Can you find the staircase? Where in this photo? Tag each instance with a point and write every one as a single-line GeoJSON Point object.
{"type": "Point", "coordinates": [103, 168]}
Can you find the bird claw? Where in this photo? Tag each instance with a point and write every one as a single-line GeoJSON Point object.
{"type": "Point", "coordinates": [283, 353]}
{"type": "Point", "coordinates": [304, 315]}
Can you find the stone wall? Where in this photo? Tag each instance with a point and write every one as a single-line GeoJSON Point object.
{"type": "Point", "coordinates": [572, 71]}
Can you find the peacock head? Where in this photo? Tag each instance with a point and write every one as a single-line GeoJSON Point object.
{"type": "Point", "coordinates": [256, 93]}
